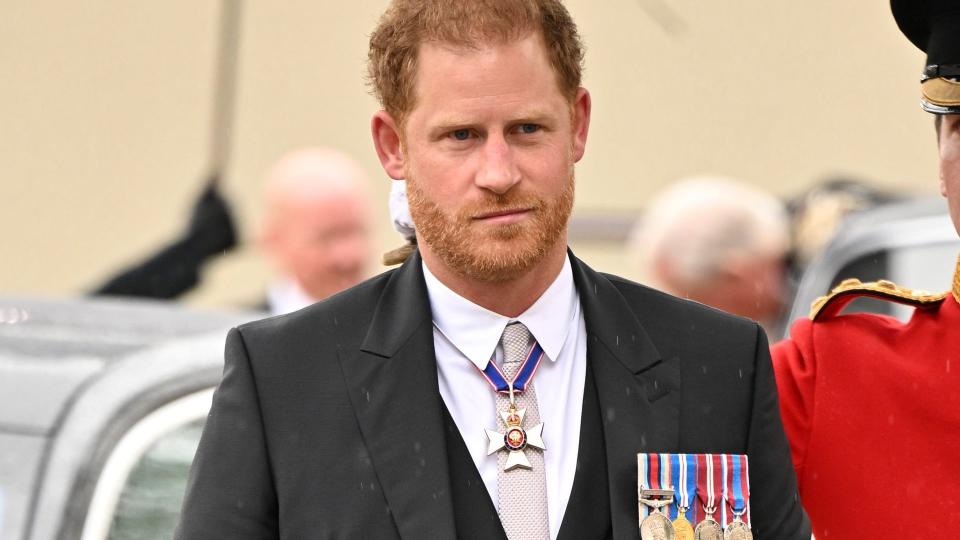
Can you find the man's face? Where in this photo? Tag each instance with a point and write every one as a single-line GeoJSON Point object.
{"type": "Point", "coordinates": [488, 154]}
{"type": "Point", "coordinates": [950, 165]}
{"type": "Point", "coordinates": [324, 244]}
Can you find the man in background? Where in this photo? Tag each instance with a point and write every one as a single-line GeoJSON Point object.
{"type": "Point", "coordinates": [316, 228]}
{"type": "Point", "coordinates": [719, 242]}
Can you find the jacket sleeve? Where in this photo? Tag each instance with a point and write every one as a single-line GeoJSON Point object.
{"type": "Point", "coordinates": [795, 370]}
{"type": "Point", "coordinates": [230, 492]}
{"type": "Point", "coordinates": [775, 504]}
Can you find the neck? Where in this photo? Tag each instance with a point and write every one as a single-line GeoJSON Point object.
{"type": "Point", "coordinates": [508, 298]}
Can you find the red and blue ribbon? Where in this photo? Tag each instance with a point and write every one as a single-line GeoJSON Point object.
{"type": "Point", "coordinates": [528, 369]}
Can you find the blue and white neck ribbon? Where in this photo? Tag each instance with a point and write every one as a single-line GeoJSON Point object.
{"type": "Point", "coordinates": [528, 369]}
{"type": "Point", "coordinates": [684, 475]}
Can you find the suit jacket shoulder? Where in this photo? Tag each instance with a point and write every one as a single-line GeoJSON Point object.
{"type": "Point", "coordinates": [696, 324]}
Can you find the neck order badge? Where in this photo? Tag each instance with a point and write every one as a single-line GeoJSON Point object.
{"type": "Point", "coordinates": [514, 438]}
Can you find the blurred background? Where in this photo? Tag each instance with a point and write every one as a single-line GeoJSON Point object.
{"type": "Point", "coordinates": [107, 113]}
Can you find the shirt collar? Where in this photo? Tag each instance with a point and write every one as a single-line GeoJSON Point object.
{"type": "Point", "coordinates": [286, 296]}
{"type": "Point", "coordinates": [475, 331]}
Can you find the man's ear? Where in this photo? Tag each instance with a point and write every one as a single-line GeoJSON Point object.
{"type": "Point", "coordinates": [386, 139]}
{"type": "Point", "coordinates": [581, 122]}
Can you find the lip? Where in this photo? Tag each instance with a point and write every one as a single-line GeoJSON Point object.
{"type": "Point", "coordinates": [504, 216]}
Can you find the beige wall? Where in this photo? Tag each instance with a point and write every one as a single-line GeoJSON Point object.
{"type": "Point", "coordinates": [104, 112]}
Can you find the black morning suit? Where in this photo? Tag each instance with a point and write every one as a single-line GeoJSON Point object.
{"type": "Point", "coordinates": [329, 423]}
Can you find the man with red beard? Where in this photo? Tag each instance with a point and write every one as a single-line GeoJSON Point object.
{"type": "Point", "coordinates": [871, 404]}
{"type": "Point", "coordinates": [494, 386]}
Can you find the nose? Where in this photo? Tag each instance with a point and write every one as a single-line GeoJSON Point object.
{"type": "Point", "coordinates": [498, 170]}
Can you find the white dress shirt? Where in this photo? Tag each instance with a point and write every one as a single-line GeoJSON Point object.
{"type": "Point", "coordinates": [286, 296]}
{"type": "Point", "coordinates": [466, 336]}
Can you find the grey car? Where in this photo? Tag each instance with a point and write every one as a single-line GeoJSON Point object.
{"type": "Point", "coordinates": [911, 243]}
{"type": "Point", "coordinates": [101, 407]}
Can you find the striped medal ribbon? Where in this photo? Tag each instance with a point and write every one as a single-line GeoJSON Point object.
{"type": "Point", "coordinates": [709, 485]}
{"type": "Point", "coordinates": [736, 496]}
{"type": "Point", "coordinates": [684, 477]}
{"type": "Point", "coordinates": [655, 493]}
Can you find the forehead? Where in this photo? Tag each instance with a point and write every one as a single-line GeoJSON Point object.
{"type": "Point", "coordinates": [501, 72]}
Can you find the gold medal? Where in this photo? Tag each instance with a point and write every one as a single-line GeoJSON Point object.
{"type": "Point", "coordinates": [708, 529]}
{"type": "Point", "coordinates": [682, 527]}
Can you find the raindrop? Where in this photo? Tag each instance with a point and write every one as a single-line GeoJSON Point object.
{"type": "Point", "coordinates": [335, 322]}
{"type": "Point", "coordinates": [618, 341]}
{"type": "Point", "coordinates": [948, 365]}
{"type": "Point", "coordinates": [740, 371]}
{"type": "Point", "coordinates": [416, 446]}
{"type": "Point", "coordinates": [890, 419]}
{"type": "Point", "coordinates": [611, 414]}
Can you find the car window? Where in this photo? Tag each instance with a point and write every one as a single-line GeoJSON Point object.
{"type": "Point", "coordinates": [928, 267]}
{"type": "Point", "coordinates": [149, 504]}
{"type": "Point", "coordinates": [141, 486]}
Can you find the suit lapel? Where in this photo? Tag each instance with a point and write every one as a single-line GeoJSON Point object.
{"type": "Point", "coordinates": [392, 381]}
{"type": "Point", "coordinates": [638, 391]}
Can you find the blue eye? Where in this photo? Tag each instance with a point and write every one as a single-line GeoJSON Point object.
{"type": "Point", "coordinates": [461, 134]}
{"type": "Point", "coordinates": [529, 128]}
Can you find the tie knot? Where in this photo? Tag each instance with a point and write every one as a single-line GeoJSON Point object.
{"type": "Point", "coordinates": [516, 342]}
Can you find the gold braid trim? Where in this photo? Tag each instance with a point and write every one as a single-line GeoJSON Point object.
{"type": "Point", "coordinates": [831, 304]}
{"type": "Point", "coordinates": [956, 281]}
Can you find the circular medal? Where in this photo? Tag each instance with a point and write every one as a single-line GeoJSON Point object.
{"type": "Point", "coordinates": [737, 530]}
{"type": "Point", "coordinates": [515, 438]}
{"type": "Point", "coordinates": [656, 526]}
{"type": "Point", "coordinates": [683, 528]}
{"type": "Point", "coordinates": [708, 529]}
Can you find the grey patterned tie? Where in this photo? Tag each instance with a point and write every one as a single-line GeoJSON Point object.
{"type": "Point", "coordinates": [523, 492]}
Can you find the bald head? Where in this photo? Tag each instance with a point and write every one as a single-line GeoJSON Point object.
{"type": "Point", "coordinates": [316, 228]}
{"type": "Point", "coordinates": [717, 241]}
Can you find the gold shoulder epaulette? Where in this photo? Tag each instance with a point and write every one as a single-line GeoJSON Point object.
{"type": "Point", "coordinates": [841, 295]}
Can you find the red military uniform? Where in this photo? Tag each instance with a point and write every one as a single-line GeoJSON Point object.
{"type": "Point", "coordinates": [872, 410]}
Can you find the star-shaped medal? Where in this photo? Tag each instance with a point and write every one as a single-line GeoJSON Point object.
{"type": "Point", "coordinates": [515, 439]}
